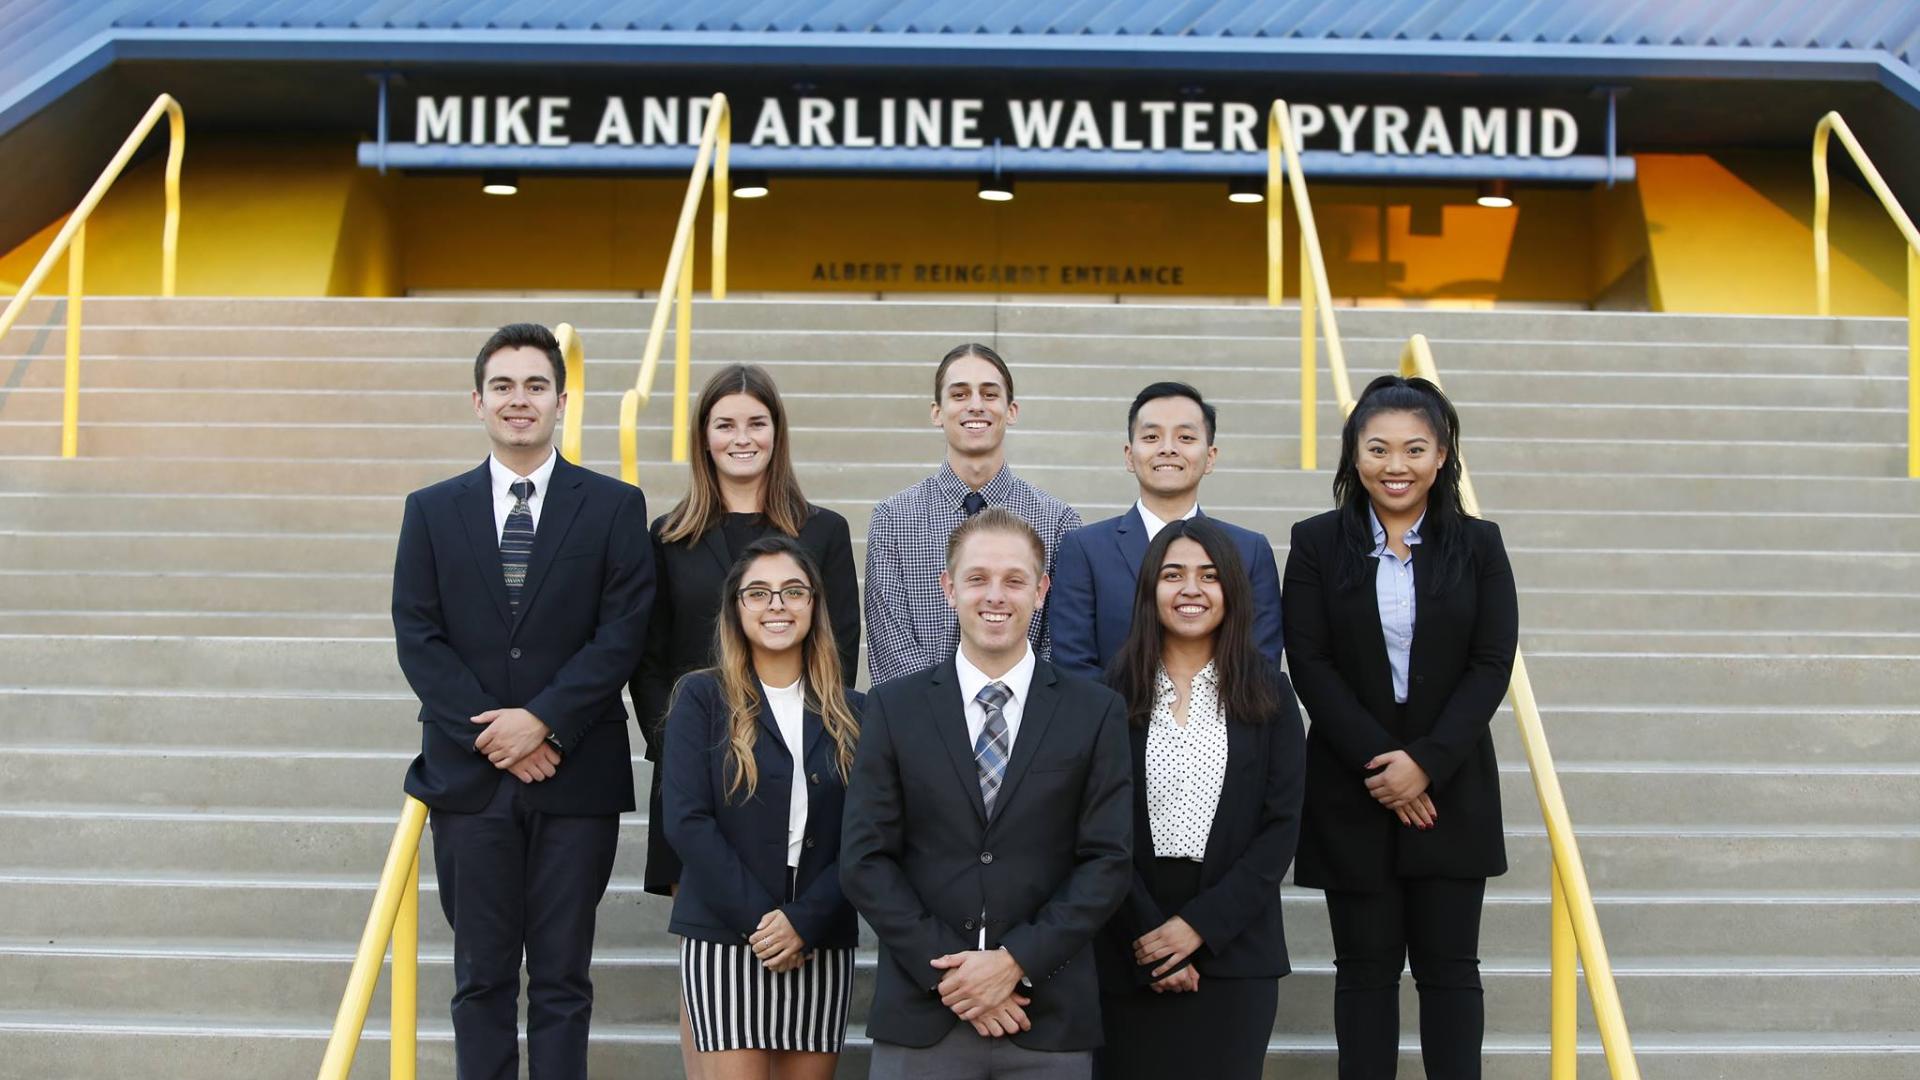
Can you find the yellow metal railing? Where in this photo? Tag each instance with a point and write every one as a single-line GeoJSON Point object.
{"type": "Point", "coordinates": [1833, 124]}
{"type": "Point", "coordinates": [395, 919]}
{"type": "Point", "coordinates": [72, 242]}
{"type": "Point", "coordinates": [1575, 937]}
{"type": "Point", "coordinates": [575, 357]}
{"type": "Point", "coordinates": [676, 295]}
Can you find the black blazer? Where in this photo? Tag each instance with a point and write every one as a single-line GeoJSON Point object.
{"type": "Point", "coordinates": [734, 848]}
{"type": "Point", "coordinates": [920, 860]}
{"type": "Point", "coordinates": [684, 610]}
{"type": "Point", "coordinates": [1464, 639]}
{"type": "Point", "coordinates": [1255, 829]}
{"type": "Point", "coordinates": [580, 629]}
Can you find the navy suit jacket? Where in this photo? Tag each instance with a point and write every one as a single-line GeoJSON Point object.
{"type": "Point", "coordinates": [564, 656]}
{"type": "Point", "coordinates": [1090, 607]}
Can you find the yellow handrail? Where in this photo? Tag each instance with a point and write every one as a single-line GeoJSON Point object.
{"type": "Point", "coordinates": [575, 356]}
{"type": "Point", "coordinates": [1283, 162]}
{"type": "Point", "coordinates": [1831, 124]}
{"type": "Point", "coordinates": [72, 239]}
{"type": "Point", "coordinates": [1576, 926]}
{"type": "Point", "coordinates": [677, 284]}
{"type": "Point", "coordinates": [395, 918]}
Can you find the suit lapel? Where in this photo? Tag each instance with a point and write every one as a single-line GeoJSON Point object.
{"type": "Point", "coordinates": [1364, 603]}
{"type": "Point", "coordinates": [1035, 717]}
{"type": "Point", "coordinates": [476, 511]}
{"type": "Point", "coordinates": [715, 543]}
{"type": "Point", "coordinates": [950, 727]}
{"type": "Point", "coordinates": [771, 723]}
{"type": "Point", "coordinates": [1131, 537]}
{"type": "Point", "coordinates": [1242, 750]}
{"type": "Point", "coordinates": [812, 729]}
{"type": "Point", "coordinates": [1142, 821]}
{"type": "Point", "coordinates": [557, 511]}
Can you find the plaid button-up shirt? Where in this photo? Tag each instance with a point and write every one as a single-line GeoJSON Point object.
{"type": "Point", "coordinates": [910, 627]}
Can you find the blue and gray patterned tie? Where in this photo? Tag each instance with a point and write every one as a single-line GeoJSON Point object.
{"type": "Point", "coordinates": [990, 750]}
{"type": "Point", "coordinates": [516, 541]}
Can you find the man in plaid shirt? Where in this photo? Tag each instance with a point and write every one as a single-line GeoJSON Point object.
{"type": "Point", "coordinates": [910, 626]}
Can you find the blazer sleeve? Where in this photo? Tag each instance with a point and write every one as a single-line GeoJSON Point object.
{"type": "Point", "coordinates": [1219, 913]}
{"type": "Point", "coordinates": [709, 865]}
{"type": "Point", "coordinates": [652, 683]}
{"type": "Point", "coordinates": [1103, 858]}
{"type": "Point", "coordinates": [570, 702]}
{"type": "Point", "coordinates": [891, 646]}
{"type": "Point", "coordinates": [1336, 710]}
{"type": "Point", "coordinates": [843, 597]}
{"type": "Point", "coordinates": [872, 842]}
{"type": "Point", "coordinates": [1462, 723]}
{"type": "Point", "coordinates": [1069, 521]}
{"type": "Point", "coordinates": [1072, 617]}
{"type": "Point", "coordinates": [1268, 635]}
{"type": "Point", "coordinates": [449, 693]}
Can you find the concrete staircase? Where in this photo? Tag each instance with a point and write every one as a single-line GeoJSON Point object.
{"type": "Point", "coordinates": [204, 728]}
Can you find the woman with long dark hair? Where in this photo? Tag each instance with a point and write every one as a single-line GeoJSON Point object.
{"type": "Point", "coordinates": [1401, 624]}
{"type": "Point", "coordinates": [755, 779]}
{"type": "Point", "coordinates": [1190, 965]}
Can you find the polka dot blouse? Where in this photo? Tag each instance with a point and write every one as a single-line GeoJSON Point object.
{"type": "Point", "coordinates": [1186, 766]}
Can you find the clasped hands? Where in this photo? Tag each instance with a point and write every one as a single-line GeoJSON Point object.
{"type": "Point", "coordinates": [980, 988]}
{"type": "Point", "coordinates": [1401, 786]}
{"type": "Point", "coordinates": [776, 944]}
{"type": "Point", "coordinates": [516, 740]}
{"type": "Point", "coordinates": [1171, 943]}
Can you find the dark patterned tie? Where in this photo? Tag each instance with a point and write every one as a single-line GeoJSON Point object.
{"type": "Point", "coordinates": [516, 541]}
{"type": "Point", "coordinates": [990, 750]}
{"type": "Point", "coordinates": [974, 503]}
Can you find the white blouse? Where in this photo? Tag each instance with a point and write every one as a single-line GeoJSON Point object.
{"type": "Point", "coordinates": [789, 704]}
{"type": "Point", "coordinates": [1186, 766]}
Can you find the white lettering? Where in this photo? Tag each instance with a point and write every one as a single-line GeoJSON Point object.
{"type": "Point", "coordinates": [1195, 117]}
{"type": "Point", "coordinates": [1034, 122]}
{"type": "Point", "coordinates": [1483, 132]}
{"type": "Point", "coordinates": [1348, 125]}
{"type": "Point", "coordinates": [850, 126]}
{"type": "Point", "coordinates": [887, 109]}
{"type": "Point", "coordinates": [553, 121]}
{"type": "Point", "coordinates": [659, 121]}
{"type": "Point", "coordinates": [1389, 129]}
{"type": "Point", "coordinates": [1120, 140]}
{"type": "Point", "coordinates": [1157, 113]}
{"type": "Point", "coordinates": [1523, 134]}
{"type": "Point", "coordinates": [816, 122]}
{"type": "Point", "coordinates": [510, 121]}
{"type": "Point", "coordinates": [1083, 130]}
{"type": "Point", "coordinates": [966, 125]}
{"type": "Point", "coordinates": [697, 110]}
{"type": "Point", "coordinates": [477, 130]}
{"type": "Point", "coordinates": [441, 124]}
{"type": "Point", "coordinates": [771, 127]}
{"type": "Point", "coordinates": [1237, 120]}
{"type": "Point", "coordinates": [923, 122]}
{"type": "Point", "coordinates": [1434, 136]}
{"type": "Point", "coordinates": [1308, 121]}
{"type": "Point", "coordinates": [1558, 133]}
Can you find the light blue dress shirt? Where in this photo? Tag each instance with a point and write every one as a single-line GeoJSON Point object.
{"type": "Point", "coordinates": [1393, 589]}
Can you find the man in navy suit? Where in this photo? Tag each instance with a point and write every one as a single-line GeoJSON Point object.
{"type": "Point", "coordinates": [1169, 450]}
{"type": "Point", "coordinates": [521, 594]}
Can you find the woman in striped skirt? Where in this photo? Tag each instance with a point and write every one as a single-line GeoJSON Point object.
{"type": "Point", "coordinates": [757, 753]}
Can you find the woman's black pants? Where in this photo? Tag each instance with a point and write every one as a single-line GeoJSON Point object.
{"type": "Point", "coordinates": [1434, 925]}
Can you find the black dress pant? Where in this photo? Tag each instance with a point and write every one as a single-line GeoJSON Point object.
{"type": "Point", "coordinates": [1434, 925]}
{"type": "Point", "coordinates": [516, 880]}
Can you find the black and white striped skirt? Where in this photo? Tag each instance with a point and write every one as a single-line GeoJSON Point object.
{"type": "Point", "coordinates": [735, 1003]}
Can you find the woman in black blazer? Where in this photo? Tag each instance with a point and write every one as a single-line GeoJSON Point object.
{"type": "Point", "coordinates": [1190, 965]}
{"type": "Point", "coordinates": [756, 773]}
{"type": "Point", "coordinates": [742, 488]}
{"type": "Point", "coordinates": [1401, 624]}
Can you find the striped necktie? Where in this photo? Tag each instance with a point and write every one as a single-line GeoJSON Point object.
{"type": "Point", "coordinates": [991, 749]}
{"type": "Point", "coordinates": [516, 541]}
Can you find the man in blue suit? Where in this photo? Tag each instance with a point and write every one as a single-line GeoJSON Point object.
{"type": "Point", "coordinates": [1169, 450]}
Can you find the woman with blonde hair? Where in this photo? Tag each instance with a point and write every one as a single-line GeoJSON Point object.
{"type": "Point", "coordinates": [759, 747]}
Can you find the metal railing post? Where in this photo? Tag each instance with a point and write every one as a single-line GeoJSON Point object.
{"type": "Point", "coordinates": [1309, 367]}
{"type": "Point", "coordinates": [402, 855]}
{"type": "Point", "coordinates": [574, 355]}
{"type": "Point", "coordinates": [1276, 214]}
{"type": "Point", "coordinates": [1564, 1040]}
{"type": "Point", "coordinates": [402, 1043]}
{"type": "Point", "coordinates": [683, 360]}
{"type": "Point", "coordinates": [1822, 205]}
{"type": "Point", "coordinates": [70, 399]}
{"type": "Point", "coordinates": [1913, 363]}
{"type": "Point", "coordinates": [722, 191]}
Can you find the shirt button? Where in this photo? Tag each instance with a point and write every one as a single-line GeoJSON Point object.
{"type": "Point", "coordinates": [986, 858]}
{"type": "Point", "coordinates": [514, 653]}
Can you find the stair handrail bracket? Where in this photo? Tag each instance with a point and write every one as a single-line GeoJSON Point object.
{"type": "Point", "coordinates": [1834, 124]}
{"type": "Point", "coordinates": [72, 241]}
{"type": "Point", "coordinates": [1283, 172]}
{"type": "Point", "coordinates": [1575, 939]}
{"type": "Point", "coordinates": [676, 294]}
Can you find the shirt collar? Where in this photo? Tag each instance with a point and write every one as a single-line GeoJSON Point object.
{"type": "Point", "coordinates": [1163, 682]}
{"type": "Point", "coordinates": [504, 477]}
{"type": "Point", "coordinates": [1153, 522]}
{"type": "Point", "coordinates": [1017, 679]}
{"type": "Point", "coordinates": [1380, 532]}
{"type": "Point", "coordinates": [955, 490]}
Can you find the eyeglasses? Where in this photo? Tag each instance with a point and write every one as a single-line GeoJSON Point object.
{"type": "Point", "coordinates": [759, 597]}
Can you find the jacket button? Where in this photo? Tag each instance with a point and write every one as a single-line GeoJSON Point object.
{"type": "Point", "coordinates": [1419, 678]}
{"type": "Point", "coordinates": [986, 857]}
{"type": "Point", "coordinates": [969, 925]}
{"type": "Point", "coordinates": [814, 777]}
{"type": "Point", "coordinates": [808, 842]}
{"type": "Point", "coordinates": [514, 653]}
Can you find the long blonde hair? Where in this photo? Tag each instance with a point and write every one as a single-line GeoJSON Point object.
{"type": "Point", "coordinates": [740, 683]}
{"type": "Point", "coordinates": [703, 508]}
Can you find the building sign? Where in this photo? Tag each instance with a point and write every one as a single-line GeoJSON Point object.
{"type": "Point", "coordinates": [1191, 126]}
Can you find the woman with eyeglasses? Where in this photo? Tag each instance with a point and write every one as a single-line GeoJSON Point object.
{"type": "Point", "coordinates": [1401, 625]}
{"type": "Point", "coordinates": [759, 746]}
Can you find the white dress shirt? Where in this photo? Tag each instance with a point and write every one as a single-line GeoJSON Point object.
{"type": "Point", "coordinates": [1153, 523]}
{"type": "Point", "coordinates": [1186, 766]}
{"type": "Point", "coordinates": [503, 499]}
{"type": "Point", "coordinates": [1393, 591]}
{"type": "Point", "coordinates": [789, 705]}
{"type": "Point", "coordinates": [1018, 680]}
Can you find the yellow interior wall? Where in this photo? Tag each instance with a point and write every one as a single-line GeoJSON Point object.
{"type": "Point", "coordinates": [1734, 234]}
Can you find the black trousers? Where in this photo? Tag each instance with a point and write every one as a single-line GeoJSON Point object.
{"type": "Point", "coordinates": [1433, 924]}
{"type": "Point", "coordinates": [514, 881]}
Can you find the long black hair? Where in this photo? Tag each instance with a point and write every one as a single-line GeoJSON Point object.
{"type": "Point", "coordinates": [1441, 533]}
{"type": "Point", "coordinates": [1247, 689]}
